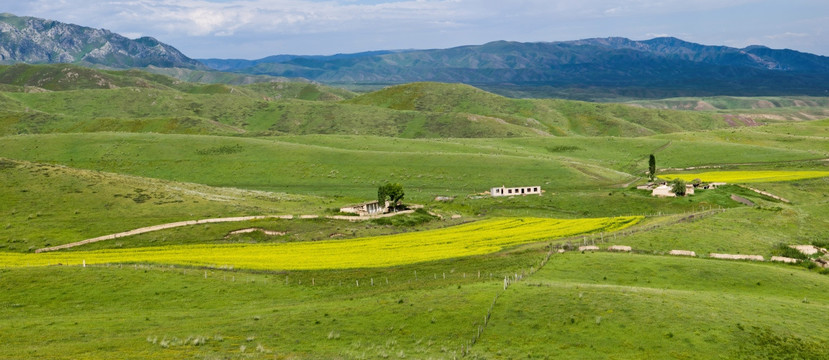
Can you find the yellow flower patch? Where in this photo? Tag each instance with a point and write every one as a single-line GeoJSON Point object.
{"type": "Point", "coordinates": [482, 237]}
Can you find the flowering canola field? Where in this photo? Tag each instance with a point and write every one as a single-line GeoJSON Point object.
{"type": "Point", "coordinates": [482, 237]}
{"type": "Point", "coordinates": [747, 176]}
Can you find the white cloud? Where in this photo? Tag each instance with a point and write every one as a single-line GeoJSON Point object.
{"type": "Point", "coordinates": [786, 35]}
{"type": "Point", "coordinates": [131, 35]}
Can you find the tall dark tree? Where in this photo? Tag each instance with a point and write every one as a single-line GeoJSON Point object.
{"type": "Point", "coordinates": [381, 195]}
{"type": "Point", "coordinates": [652, 167]}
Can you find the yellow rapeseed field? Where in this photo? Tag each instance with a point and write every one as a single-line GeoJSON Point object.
{"type": "Point", "coordinates": [747, 176]}
{"type": "Point", "coordinates": [482, 237]}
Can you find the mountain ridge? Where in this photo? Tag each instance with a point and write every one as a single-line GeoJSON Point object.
{"type": "Point", "coordinates": [41, 41]}
{"type": "Point", "coordinates": [666, 66]}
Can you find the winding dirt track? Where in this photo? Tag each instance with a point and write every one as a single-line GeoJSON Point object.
{"type": "Point", "coordinates": [208, 221]}
{"type": "Point", "coordinates": [161, 227]}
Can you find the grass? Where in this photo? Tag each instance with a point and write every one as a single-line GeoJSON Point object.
{"type": "Point", "coordinates": [51, 205]}
{"type": "Point", "coordinates": [434, 167]}
{"type": "Point", "coordinates": [281, 166]}
{"type": "Point", "coordinates": [295, 230]}
{"type": "Point", "coordinates": [727, 308]}
{"type": "Point", "coordinates": [756, 230]}
{"type": "Point", "coordinates": [80, 99]}
{"type": "Point", "coordinates": [765, 110]}
{"type": "Point", "coordinates": [145, 153]}
{"type": "Point", "coordinates": [80, 312]}
{"type": "Point", "coordinates": [636, 306]}
{"type": "Point", "coordinates": [803, 135]}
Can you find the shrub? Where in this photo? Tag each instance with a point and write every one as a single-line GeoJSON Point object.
{"type": "Point", "coordinates": [678, 187]}
{"type": "Point", "coordinates": [783, 249]}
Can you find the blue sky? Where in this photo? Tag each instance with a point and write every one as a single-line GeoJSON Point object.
{"type": "Point", "coordinates": [251, 29]}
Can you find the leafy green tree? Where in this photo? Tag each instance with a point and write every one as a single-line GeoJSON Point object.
{"type": "Point", "coordinates": [652, 167]}
{"type": "Point", "coordinates": [391, 191]}
{"type": "Point", "coordinates": [678, 187]}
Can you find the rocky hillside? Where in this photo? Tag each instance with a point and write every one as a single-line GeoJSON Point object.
{"type": "Point", "coordinates": [39, 41]}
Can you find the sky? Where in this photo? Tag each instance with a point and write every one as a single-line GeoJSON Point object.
{"type": "Point", "coordinates": [252, 29]}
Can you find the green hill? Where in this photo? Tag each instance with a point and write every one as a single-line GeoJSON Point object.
{"type": "Point", "coordinates": [67, 98]}
{"type": "Point", "coordinates": [748, 110]}
{"type": "Point", "coordinates": [558, 117]}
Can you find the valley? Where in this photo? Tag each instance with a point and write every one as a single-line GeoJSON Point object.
{"type": "Point", "coordinates": [87, 153]}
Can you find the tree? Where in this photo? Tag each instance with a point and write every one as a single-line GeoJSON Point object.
{"type": "Point", "coordinates": [678, 187]}
{"type": "Point", "coordinates": [392, 191]}
{"type": "Point", "coordinates": [381, 195]}
{"type": "Point", "coordinates": [652, 167]}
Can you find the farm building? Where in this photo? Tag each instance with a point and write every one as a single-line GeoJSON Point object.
{"type": "Point", "coordinates": [505, 191]}
{"type": "Point", "coordinates": [665, 190]}
{"type": "Point", "coordinates": [366, 208]}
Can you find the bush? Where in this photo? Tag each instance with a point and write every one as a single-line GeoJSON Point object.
{"type": "Point", "coordinates": [678, 187]}
{"type": "Point", "coordinates": [783, 249]}
{"type": "Point", "coordinates": [821, 243]}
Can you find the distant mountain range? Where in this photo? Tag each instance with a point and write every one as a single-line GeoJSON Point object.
{"type": "Point", "coordinates": [39, 41]}
{"type": "Point", "coordinates": [591, 69]}
{"type": "Point", "coordinates": [665, 66]}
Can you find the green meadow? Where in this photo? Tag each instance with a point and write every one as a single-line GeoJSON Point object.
{"type": "Point", "coordinates": [87, 153]}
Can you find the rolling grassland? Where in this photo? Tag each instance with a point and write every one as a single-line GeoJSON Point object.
{"type": "Point", "coordinates": [467, 276]}
{"type": "Point", "coordinates": [604, 305]}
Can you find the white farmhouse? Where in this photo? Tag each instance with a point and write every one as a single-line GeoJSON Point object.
{"type": "Point", "coordinates": [366, 208]}
{"type": "Point", "coordinates": [505, 191]}
{"type": "Point", "coordinates": [663, 191]}
{"type": "Point", "coordinates": [667, 190]}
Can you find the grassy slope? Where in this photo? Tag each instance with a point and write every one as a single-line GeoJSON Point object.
{"type": "Point", "coordinates": [558, 117]}
{"type": "Point", "coordinates": [49, 205]}
{"type": "Point", "coordinates": [323, 314]}
{"type": "Point", "coordinates": [283, 166]}
{"type": "Point", "coordinates": [807, 136]}
{"type": "Point", "coordinates": [750, 230]}
{"type": "Point", "coordinates": [578, 306]}
{"type": "Point", "coordinates": [762, 109]}
{"type": "Point", "coordinates": [355, 166]}
{"type": "Point", "coordinates": [633, 306]}
{"type": "Point", "coordinates": [302, 109]}
{"type": "Point", "coordinates": [91, 100]}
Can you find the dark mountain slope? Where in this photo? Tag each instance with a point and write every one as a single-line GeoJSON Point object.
{"type": "Point", "coordinates": [659, 67]}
